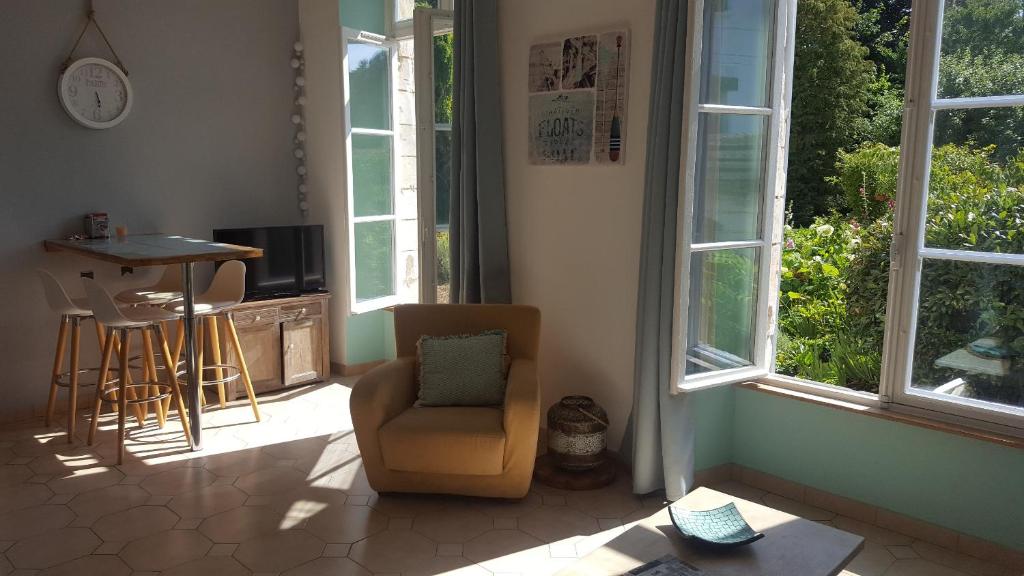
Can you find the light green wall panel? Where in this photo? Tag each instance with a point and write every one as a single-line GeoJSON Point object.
{"type": "Point", "coordinates": [713, 410]}
{"type": "Point", "coordinates": [366, 15]}
{"type": "Point", "coordinates": [365, 336]}
{"type": "Point", "coordinates": [390, 352]}
{"type": "Point", "coordinates": [967, 485]}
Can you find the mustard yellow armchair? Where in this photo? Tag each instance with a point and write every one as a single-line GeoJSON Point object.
{"type": "Point", "coordinates": [473, 451]}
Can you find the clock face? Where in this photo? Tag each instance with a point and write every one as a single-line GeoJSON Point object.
{"type": "Point", "coordinates": [95, 93]}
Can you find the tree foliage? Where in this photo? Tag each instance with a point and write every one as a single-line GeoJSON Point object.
{"type": "Point", "coordinates": [831, 82]}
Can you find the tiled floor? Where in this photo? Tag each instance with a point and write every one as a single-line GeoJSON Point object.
{"type": "Point", "coordinates": [289, 496]}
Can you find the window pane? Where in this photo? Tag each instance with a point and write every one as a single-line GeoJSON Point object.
{"type": "Point", "coordinates": [444, 66]}
{"type": "Point", "coordinates": [730, 177]}
{"type": "Point", "coordinates": [982, 49]}
{"type": "Point", "coordinates": [404, 8]}
{"type": "Point", "coordinates": [442, 176]}
{"type": "Point", "coordinates": [371, 174]}
{"type": "Point", "coordinates": [369, 69]}
{"type": "Point", "coordinates": [976, 185]}
{"type": "Point", "coordinates": [723, 299]}
{"type": "Point", "coordinates": [375, 245]}
{"type": "Point", "coordinates": [970, 331]}
{"type": "Point", "coordinates": [736, 52]}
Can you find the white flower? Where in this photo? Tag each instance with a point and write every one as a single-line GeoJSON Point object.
{"type": "Point", "coordinates": [825, 230]}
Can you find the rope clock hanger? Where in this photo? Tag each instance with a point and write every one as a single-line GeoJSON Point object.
{"type": "Point", "coordinates": [94, 92]}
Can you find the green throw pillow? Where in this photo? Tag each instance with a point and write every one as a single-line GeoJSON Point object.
{"type": "Point", "coordinates": [465, 370]}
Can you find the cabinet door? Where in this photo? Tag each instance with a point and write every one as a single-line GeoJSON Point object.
{"type": "Point", "coordinates": [303, 351]}
{"type": "Point", "coordinates": [261, 345]}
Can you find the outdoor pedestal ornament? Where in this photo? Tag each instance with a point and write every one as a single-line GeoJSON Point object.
{"type": "Point", "coordinates": [577, 433]}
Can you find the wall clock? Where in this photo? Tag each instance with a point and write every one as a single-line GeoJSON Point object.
{"type": "Point", "coordinates": [95, 92]}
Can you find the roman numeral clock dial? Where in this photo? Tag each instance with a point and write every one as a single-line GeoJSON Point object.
{"type": "Point", "coordinates": [95, 93]}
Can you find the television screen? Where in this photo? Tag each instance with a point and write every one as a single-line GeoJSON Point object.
{"type": "Point", "coordinates": [292, 262]}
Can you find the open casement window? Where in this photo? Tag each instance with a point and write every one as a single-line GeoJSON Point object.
{"type": "Point", "coordinates": [735, 131]}
{"type": "Point", "coordinates": [402, 12]}
{"type": "Point", "coordinates": [434, 96]}
{"type": "Point", "coordinates": [370, 66]}
{"type": "Point", "coordinates": [955, 339]}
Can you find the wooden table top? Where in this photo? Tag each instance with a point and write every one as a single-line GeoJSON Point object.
{"type": "Point", "coordinates": [791, 545]}
{"type": "Point", "coordinates": [153, 249]}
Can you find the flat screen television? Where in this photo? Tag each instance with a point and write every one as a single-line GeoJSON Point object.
{"type": "Point", "coordinates": [292, 262]}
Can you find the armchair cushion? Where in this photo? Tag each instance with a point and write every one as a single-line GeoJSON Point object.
{"type": "Point", "coordinates": [462, 370]}
{"type": "Point", "coordinates": [445, 440]}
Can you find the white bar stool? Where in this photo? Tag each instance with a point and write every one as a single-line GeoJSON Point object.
{"type": "Point", "coordinates": [124, 321]}
{"type": "Point", "coordinates": [226, 291]}
{"type": "Point", "coordinates": [166, 289]}
{"type": "Point", "coordinates": [72, 311]}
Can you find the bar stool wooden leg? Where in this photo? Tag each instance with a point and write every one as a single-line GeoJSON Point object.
{"type": "Point", "coordinates": [147, 350]}
{"type": "Point", "coordinates": [58, 364]}
{"type": "Point", "coordinates": [101, 380]}
{"type": "Point", "coordinates": [76, 335]}
{"type": "Point", "coordinates": [211, 324]}
{"type": "Point", "coordinates": [122, 398]}
{"type": "Point", "coordinates": [101, 341]}
{"type": "Point", "coordinates": [200, 348]}
{"type": "Point", "coordinates": [172, 379]}
{"type": "Point", "coordinates": [242, 367]}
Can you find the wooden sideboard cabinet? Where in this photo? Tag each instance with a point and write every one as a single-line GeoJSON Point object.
{"type": "Point", "coordinates": [286, 342]}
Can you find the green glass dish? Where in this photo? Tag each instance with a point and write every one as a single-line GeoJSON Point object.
{"type": "Point", "coordinates": [722, 527]}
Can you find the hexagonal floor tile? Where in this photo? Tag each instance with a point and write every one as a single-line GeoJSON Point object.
{"type": "Point", "coordinates": [14, 474]}
{"type": "Point", "coordinates": [108, 500]}
{"type": "Point", "coordinates": [209, 566]}
{"type": "Point", "coordinates": [919, 567]}
{"type": "Point", "coordinates": [453, 526]}
{"type": "Point", "coordinates": [506, 551]}
{"type": "Point", "coordinates": [501, 508]}
{"type": "Point", "coordinates": [346, 524]}
{"type": "Point", "coordinates": [134, 523]}
{"type": "Point", "coordinates": [238, 463]}
{"type": "Point", "coordinates": [409, 505]}
{"type": "Point", "coordinates": [242, 523]}
{"type": "Point", "coordinates": [393, 551]}
{"type": "Point", "coordinates": [554, 523]}
{"type": "Point", "coordinates": [297, 449]}
{"type": "Point", "coordinates": [64, 461]}
{"type": "Point", "coordinates": [165, 550]}
{"type": "Point", "coordinates": [84, 480]}
{"type": "Point", "coordinates": [329, 567]}
{"type": "Point", "coordinates": [207, 501]}
{"type": "Point", "coordinates": [271, 480]}
{"type": "Point", "coordinates": [178, 481]}
{"type": "Point", "coordinates": [23, 496]}
{"type": "Point", "coordinates": [34, 520]}
{"type": "Point", "coordinates": [604, 503]}
{"type": "Point", "coordinates": [90, 566]}
{"type": "Point", "coordinates": [279, 551]}
{"type": "Point", "coordinates": [52, 548]}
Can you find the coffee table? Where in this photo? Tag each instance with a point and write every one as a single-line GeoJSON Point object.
{"type": "Point", "coordinates": [791, 546]}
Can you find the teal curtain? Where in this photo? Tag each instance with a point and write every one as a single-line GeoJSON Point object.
{"type": "Point", "coordinates": [659, 439]}
{"type": "Point", "coordinates": [478, 230]}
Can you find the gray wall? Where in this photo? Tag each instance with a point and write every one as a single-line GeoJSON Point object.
{"type": "Point", "coordinates": [207, 144]}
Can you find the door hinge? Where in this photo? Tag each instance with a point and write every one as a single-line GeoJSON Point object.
{"type": "Point", "coordinates": [896, 251]}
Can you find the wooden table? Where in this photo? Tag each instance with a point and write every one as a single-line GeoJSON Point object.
{"type": "Point", "coordinates": [791, 546]}
{"type": "Point", "coordinates": [165, 250]}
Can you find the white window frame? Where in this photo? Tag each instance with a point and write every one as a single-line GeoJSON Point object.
{"type": "Point", "coordinates": [352, 35]}
{"type": "Point", "coordinates": [405, 28]}
{"type": "Point", "coordinates": [774, 178]}
{"type": "Point", "coordinates": [428, 24]}
{"type": "Point", "coordinates": [908, 248]}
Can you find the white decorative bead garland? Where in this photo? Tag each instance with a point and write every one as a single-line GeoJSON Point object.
{"type": "Point", "coordinates": [298, 63]}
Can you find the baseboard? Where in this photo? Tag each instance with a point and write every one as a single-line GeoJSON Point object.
{"type": "Point", "coordinates": [871, 514]}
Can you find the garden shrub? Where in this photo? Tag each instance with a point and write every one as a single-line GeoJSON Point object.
{"type": "Point", "coordinates": [835, 272]}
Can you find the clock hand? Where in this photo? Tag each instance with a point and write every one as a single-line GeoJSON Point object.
{"type": "Point", "coordinates": [98, 103]}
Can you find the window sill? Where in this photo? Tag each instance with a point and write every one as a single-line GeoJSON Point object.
{"type": "Point", "coordinates": [892, 414]}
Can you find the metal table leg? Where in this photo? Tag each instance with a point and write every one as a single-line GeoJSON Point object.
{"type": "Point", "coordinates": [195, 407]}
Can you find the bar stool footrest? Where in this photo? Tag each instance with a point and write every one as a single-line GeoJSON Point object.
{"type": "Point", "coordinates": [164, 391]}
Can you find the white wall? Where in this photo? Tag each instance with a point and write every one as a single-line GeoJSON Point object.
{"type": "Point", "coordinates": [208, 144]}
{"type": "Point", "coordinates": [574, 232]}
